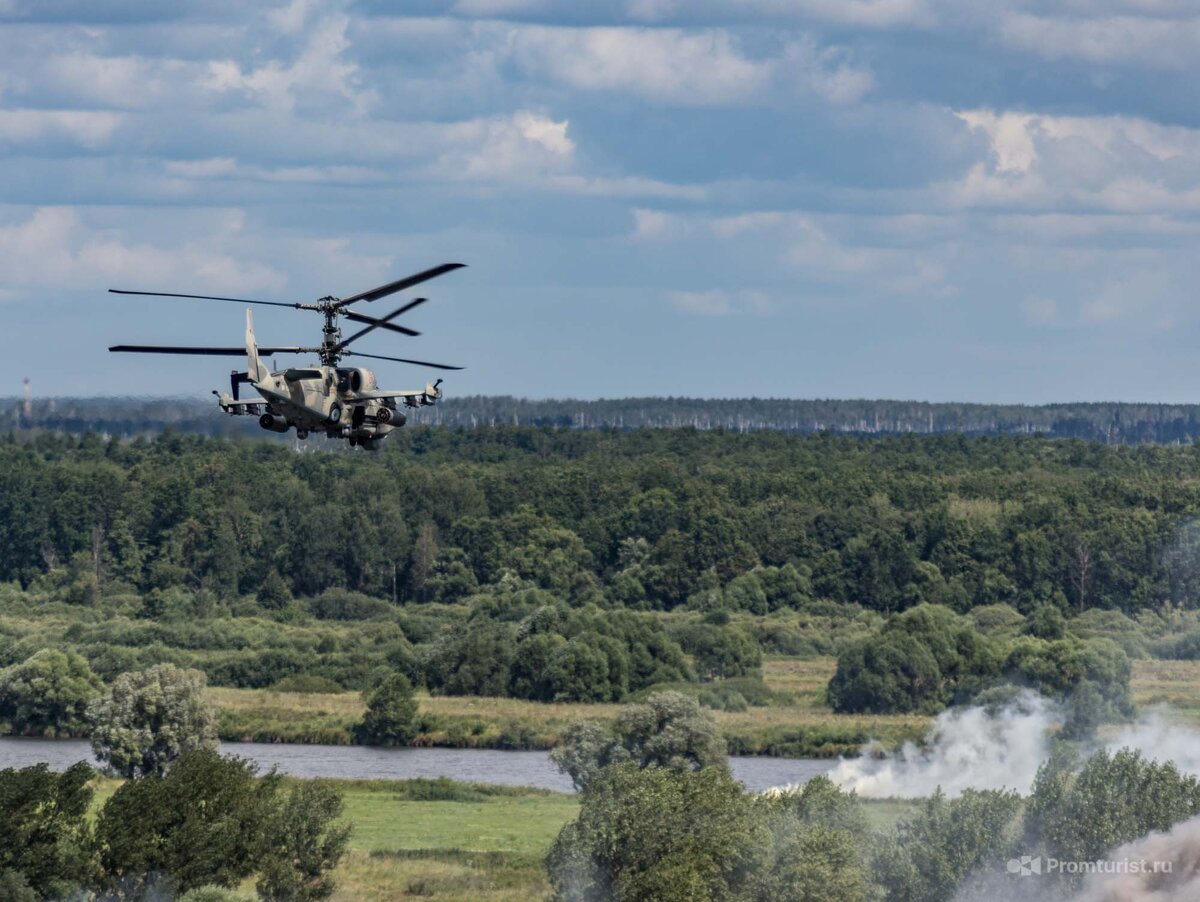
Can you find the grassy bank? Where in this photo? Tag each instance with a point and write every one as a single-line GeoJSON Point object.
{"type": "Point", "coordinates": [799, 724]}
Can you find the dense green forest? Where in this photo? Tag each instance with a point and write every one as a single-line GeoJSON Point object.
{"type": "Point", "coordinates": [590, 566]}
{"type": "Point", "coordinates": [1111, 423]}
{"type": "Point", "coordinates": [644, 520]}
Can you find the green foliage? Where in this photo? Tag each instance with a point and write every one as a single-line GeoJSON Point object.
{"type": "Point", "coordinates": [723, 651]}
{"type": "Point", "coordinates": [308, 684]}
{"type": "Point", "coordinates": [45, 850]}
{"type": "Point", "coordinates": [1078, 813]}
{"type": "Point", "coordinates": [927, 657]}
{"type": "Point", "coordinates": [391, 715]}
{"type": "Point", "coordinates": [934, 849]}
{"type": "Point", "coordinates": [655, 835]}
{"type": "Point", "coordinates": [662, 834]}
{"type": "Point", "coordinates": [670, 730]}
{"type": "Point", "coordinates": [48, 694]}
{"type": "Point", "coordinates": [149, 718]}
{"type": "Point", "coordinates": [304, 845]}
{"type": "Point", "coordinates": [203, 823]}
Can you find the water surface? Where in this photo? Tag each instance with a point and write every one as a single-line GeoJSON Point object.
{"type": "Point", "coordinates": [361, 762]}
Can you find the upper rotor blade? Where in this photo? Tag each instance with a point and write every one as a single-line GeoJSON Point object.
{"type": "Point", "coordinates": [399, 285]}
{"type": "Point", "coordinates": [436, 366]}
{"type": "Point", "coordinates": [382, 322]}
{"type": "Point", "coordinates": [223, 352]}
{"type": "Point", "coordinates": [201, 297]}
{"type": "Point", "coordinates": [391, 327]}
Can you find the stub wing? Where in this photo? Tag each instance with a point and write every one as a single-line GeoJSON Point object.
{"type": "Point", "coordinates": [430, 393]}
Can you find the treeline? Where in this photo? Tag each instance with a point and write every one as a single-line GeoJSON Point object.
{"type": "Point", "coordinates": [1110, 423]}
{"type": "Point", "coordinates": [646, 520]}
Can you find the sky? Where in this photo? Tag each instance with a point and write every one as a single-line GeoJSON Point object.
{"type": "Point", "coordinates": [914, 199]}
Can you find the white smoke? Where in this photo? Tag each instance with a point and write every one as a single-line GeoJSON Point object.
{"type": "Point", "coordinates": [967, 748]}
{"type": "Point", "coordinates": [1157, 737]}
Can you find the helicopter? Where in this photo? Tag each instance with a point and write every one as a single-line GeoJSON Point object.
{"type": "Point", "coordinates": [341, 402]}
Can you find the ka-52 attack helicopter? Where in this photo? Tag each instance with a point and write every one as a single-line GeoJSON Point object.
{"type": "Point", "coordinates": [342, 402]}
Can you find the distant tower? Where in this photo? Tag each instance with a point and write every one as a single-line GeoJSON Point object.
{"type": "Point", "coordinates": [28, 401]}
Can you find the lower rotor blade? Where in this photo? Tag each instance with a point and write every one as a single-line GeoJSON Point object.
{"type": "Point", "coordinates": [436, 366]}
{"type": "Point", "coordinates": [201, 297]}
{"type": "Point", "coordinates": [222, 352]}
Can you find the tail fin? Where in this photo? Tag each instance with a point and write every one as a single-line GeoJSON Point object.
{"type": "Point", "coordinates": [254, 368]}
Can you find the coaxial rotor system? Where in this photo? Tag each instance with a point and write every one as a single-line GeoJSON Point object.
{"type": "Point", "coordinates": [333, 346]}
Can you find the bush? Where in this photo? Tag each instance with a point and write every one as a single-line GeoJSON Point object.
{"type": "Point", "coordinates": [391, 715]}
{"type": "Point", "coordinates": [149, 718]}
{"type": "Point", "coordinates": [669, 730]}
{"type": "Point", "coordinates": [203, 823]}
{"type": "Point", "coordinates": [655, 835]}
{"type": "Point", "coordinates": [936, 848]}
{"type": "Point", "coordinates": [1079, 813]}
{"type": "Point", "coordinates": [342, 604]}
{"type": "Point", "coordinates": [46, 847]}
{"type": "Point", "coordinates": [307, 683]}
{"type": "Point", "coordinates": [304, 847]}
{"type": "Point", "coordinates": [48, 693]}
{"type": "Point", "coordinates": [724, 651]}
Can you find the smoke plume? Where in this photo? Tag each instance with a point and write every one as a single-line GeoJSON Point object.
{"type": "Point", "coordinates": [967, 748]}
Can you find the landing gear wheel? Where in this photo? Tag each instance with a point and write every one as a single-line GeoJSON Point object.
{"type": "Point", "coordinates": [301, 434]}
{"type": "Point", "coordinates": [335, 413]}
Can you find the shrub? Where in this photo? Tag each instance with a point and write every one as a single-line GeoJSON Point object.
{"type": "Point", "coordinates": [46, 847]}
{"type": "Point", "coordinates": [1078, 813]}
{"type": "Point", "coordinates": [669, 730]}
{"type": "Point", "coordinates": [304, 846]}
{"type": "Point", "coordinates": [48, 693]}
{"type": "Point", "coordinates": [391, 715]}
{"type": "Point", "coordinates": [203, 823]}
{"type": "Point", "coordinates": [307, 683]}
{"type": "Point", "coordinates": [655, 835]}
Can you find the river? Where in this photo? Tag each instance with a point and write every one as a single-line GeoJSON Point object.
{"type": "Point", "coordinates": [361, 762]}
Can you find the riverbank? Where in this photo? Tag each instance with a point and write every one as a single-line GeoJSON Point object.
{"type": "Point", "coordinates": [800, 725]}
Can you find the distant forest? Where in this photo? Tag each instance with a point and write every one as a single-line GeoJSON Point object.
{"type": "Point", "coordinates": [1110, 423]}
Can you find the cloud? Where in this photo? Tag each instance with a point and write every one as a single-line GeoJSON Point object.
{"type": "Point", "coordinates": [320, 72]}
{"type": "Point", "coordinates": [54, 247]}
{"type": "Point", "coordinates": [1121, 40]}
{"type": "Point", "coordinates": [1118, 163]}
{"type": "Point", "coordinates": [85, 128]}
{"type": "Point", "coordinates": [689, 68]}
{"type": "Point", "coordinates": [720, 303]}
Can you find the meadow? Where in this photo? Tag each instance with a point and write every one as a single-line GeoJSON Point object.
{"type": "Point", "coordinates": [797, 723]}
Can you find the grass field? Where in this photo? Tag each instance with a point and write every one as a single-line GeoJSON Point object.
{"type": "Point", "coordinates": [802, 725]}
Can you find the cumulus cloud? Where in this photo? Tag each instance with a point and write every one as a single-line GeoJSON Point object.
{"type": "Point", "coordinates": [1120, 163]}
{"type": "Point", "coordinates": [56, 247]}
{"type": "Point", "coordinates": [85, 128]}
{"type": "Point", "coordinates": [690, 68]}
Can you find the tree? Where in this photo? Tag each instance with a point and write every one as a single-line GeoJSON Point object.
{"type": "Point", "coordinates": [724, 651]}
{"type": "Point", "coordinates": [656, 835]}
{"type": "Point", "coordinates": [1079, 813]}
{"type": "Point", "coordinates": [670, 731]}
{"type": "Point", "coordinates": [274, 593]}
{"type": "Point", "coordinates": [391, 715]}
{"type": "Point", "coordinates": [45, 850]}
{"type": "Point", "coordinates": [149, 718]}
{"type": "Point", "coordinates": [203, 823]}
{"type": "Point", "coordinates": [304, 845]}
{"type": "Point", "coordinates": [48, 693]}
{"type": "Point", "coordinates": [943, 842]}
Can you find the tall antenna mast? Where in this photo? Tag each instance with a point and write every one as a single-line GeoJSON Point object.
{"type": "Point", "coordinates": [28, 407]}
